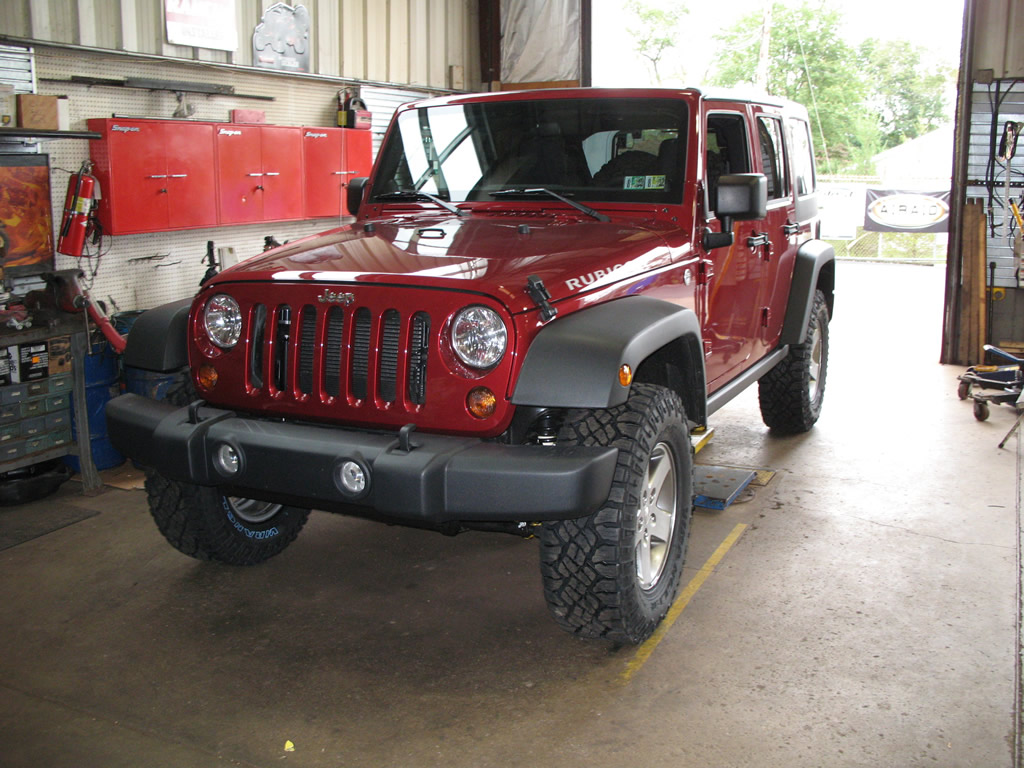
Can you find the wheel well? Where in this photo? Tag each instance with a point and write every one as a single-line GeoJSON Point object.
{"type": "Point", "coordinates": [678, 366]}
{"type": "Point", "coordinates": [827, 285]}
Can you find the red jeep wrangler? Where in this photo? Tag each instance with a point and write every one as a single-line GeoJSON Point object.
{"type": "Point", "coordinates": [543, 293]}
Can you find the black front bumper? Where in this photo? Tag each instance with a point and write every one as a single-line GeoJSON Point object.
{"type": "Point", "coordinates": [438, 479]}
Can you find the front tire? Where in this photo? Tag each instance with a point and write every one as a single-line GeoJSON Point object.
{"type": "Point", "coordinates": [615, 574]}
{"type": "Point", "coordinates": [791, 393]}
{"type": "Point", "coordinates": [205, 524]}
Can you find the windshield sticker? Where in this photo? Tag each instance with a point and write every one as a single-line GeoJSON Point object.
{"type": "Point", "coordinates": [643, 182]}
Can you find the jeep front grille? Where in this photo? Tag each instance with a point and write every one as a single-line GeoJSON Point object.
{"type": "Point", "coordinates": [339, 352]}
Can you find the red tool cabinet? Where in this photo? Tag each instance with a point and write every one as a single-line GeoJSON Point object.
{"type": "Point", "coordinates": [259, 173]}
{"type": "Point", "coordinates": [333, 157]}
{"type": "Point", "coordinates": [154, 175]}
{"type": "Point", "coordinates": [160, 175]}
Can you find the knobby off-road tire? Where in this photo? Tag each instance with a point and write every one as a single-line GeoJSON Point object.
{"type": "Point", "coordinates": [792, 392]}
{"type": "Point", "coordinates": [616, 573]}
{"type": "Point", "coordinates": [205, 524]}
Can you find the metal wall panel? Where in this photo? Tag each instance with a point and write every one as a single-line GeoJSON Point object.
{"type": "Point", "coordinates": [387, 41]}
{"type": "Point", "coordinates": [991, 107]}
{"type": "Point", "coordinates": [999, 36]}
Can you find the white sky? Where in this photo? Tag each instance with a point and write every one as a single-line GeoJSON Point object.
{"type": "Point", "coordinates": [935, 25]}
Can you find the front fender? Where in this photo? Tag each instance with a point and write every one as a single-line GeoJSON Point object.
{"type": "Point", "coordinates": [814, 269]}
{"type": "Point", "coordinates": [158, 340]}
{"type": "Point", "coordinates": [574, 361]}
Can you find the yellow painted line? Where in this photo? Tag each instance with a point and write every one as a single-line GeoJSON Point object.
{"type": "Point", "coordinates": [644, 651]}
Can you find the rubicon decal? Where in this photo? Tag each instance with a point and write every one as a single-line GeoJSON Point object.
{"type": "Point", "coordinates": [578, 283]}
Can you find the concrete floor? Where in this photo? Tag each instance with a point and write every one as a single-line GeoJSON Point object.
{"type": "Point", "coordinates": [866, 615]}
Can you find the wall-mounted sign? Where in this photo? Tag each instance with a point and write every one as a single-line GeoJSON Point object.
{"type": "Point", "coordinates": [841, 207]}
{"type": "Point", "coordinates": [281, 39]}
{"type": "Point", "coordinates": [894, 210]}
{"type": "Point", "coordinates": [202, 23]}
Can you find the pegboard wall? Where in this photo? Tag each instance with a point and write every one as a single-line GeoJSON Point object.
{"type": "Point", "coordinates": [993, 105]}
{"type": "Point", "coordinates": [143, 271]}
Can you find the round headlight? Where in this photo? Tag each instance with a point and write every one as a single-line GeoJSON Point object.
{"type": "Point", "coordinates": [479, 337]}
{"type": "Point", "coordinates": [223, 321]}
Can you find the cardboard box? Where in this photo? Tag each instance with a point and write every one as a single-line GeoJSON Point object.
{"type": "Point", "coordinates": [248, 116]}
{"type": "Point", "coordinates": [35, 111]}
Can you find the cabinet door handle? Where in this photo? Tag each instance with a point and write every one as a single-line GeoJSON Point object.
{"type": "Point", "coordinates": [342, 173]}
{"type": "Point", "coordinates": [254, 174]}
{"type": "Point", "coordinates": [157, 176]}
{"type": "Point", "coordinates": [271, 173]}
{"type": "Point", "coordinates": [179, 175]}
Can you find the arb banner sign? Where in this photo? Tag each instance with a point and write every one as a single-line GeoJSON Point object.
{"type": "Point", "coordinates": [895, 210]}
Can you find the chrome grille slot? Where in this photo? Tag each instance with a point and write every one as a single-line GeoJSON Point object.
{"type": "Point", "coordinates": [259, 323]}
{"type": "Point", "coordinates": [307, 348]}
{"type": "Point", "coordinates": [282, 346]}
{"type": "Point", "coordinates": [419, 346]}
{"type": "Point", "coordinates": [333, 350]}
{"type": "Point", "coordinates": [387, 373]}
{"type": "Point", "coordinates": [361, 353]}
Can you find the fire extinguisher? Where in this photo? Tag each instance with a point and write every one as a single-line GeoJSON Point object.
{"type": "Point", "coordinates": [79, 217]}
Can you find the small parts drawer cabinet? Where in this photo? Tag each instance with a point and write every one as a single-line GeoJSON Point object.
{"type": "Point", "coordinates": [35, 417]}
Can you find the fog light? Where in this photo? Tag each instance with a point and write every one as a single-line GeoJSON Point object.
{"type": "Point", "coordinates": [353, 478]}
{"type": "Point", "coordinates": [625, 375]}
{"type": "Point", "coordinates": [481, 402]}
{"type": "Point", "coordinates": [227, 460]}
{"type": "Point", "coordinates": [207, 377]}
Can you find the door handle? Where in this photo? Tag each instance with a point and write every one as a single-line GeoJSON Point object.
{"type": "Point", "coordinates": [791, 228]}
{"type": "Point", "coordinates": [761, 241]}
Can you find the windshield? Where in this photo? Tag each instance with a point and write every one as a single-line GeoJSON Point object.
{"type": "Point", "coordinates": [596, 149]}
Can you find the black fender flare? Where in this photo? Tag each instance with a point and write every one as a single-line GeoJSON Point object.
{"type": "Point", "coordinates": [814, 269]}
{"type": "Point", "coordinates": [158, 340]}
{"type": "Point", "coordinates": [574, 361]}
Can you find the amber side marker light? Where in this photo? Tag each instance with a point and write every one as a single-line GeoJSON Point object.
{"type": "Point", "coordinates": [625, 375]}
{"type": "Point", "coordinates": [207, 377]}
{"type": "Point", "coordinates": [481, 402]}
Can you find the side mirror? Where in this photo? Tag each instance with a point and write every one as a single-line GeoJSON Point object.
{"type": "Point", "coordinates": [738, 197]}
{"type": "Point", "coordinates": [355, 194]}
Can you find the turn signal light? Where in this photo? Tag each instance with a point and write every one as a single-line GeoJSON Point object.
{"type": "Point", "coordinates": [207, 377]}
{"type": "Point", "coordinates": [625, 375]}
{"type": "Point", "coordinates": [481, 402]}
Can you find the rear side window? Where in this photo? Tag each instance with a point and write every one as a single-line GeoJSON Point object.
{"type": "Point", "coordinates": [769, 135]}
{"type": "Point", "coordinates": [803, 159]}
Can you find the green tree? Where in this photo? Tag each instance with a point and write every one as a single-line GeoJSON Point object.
{"type": "Point", "coordinates": [809, 62]}
{"type": "Point", "coordinates": [657, 32]}
{"type": "Point", "coordinates": [907, 95]}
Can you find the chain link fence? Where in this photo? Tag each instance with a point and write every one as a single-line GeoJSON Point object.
{"type": "Point", "coordinates": [893, 246]}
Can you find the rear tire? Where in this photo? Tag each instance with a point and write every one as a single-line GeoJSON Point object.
{"type": "Point", "coordinates": [616, 573]}
{"type": "Point", "coordinates": [791, 393]}
{"type": "Point", "coordinates": [205, 524]}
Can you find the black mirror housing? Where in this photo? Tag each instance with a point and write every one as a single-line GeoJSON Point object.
{"type": "Point", "coordinates": [355, 194]}
{"type": "Point", "coordinates": [742, 196]}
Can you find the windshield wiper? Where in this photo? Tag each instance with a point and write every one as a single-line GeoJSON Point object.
{"type": "Point", "coordinates": [536, 191]}
{"type": "Point", "coordinates": [411, 194]}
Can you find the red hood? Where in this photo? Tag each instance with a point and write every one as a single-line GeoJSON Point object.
{"type": "Point", "coordinates": [489, 254]}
